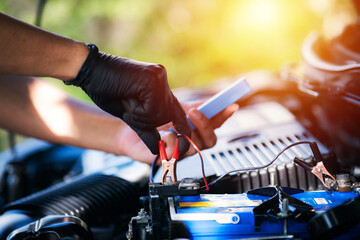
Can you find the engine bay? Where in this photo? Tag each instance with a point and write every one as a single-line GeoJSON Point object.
{"type": "Point", "coordinates": [285, 166]}
{"type": "Point", "coordinates": [257, 190]}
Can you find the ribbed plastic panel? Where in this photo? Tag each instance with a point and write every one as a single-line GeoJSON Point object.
{"type": "Point", "coordinates": [286, 175]}
{"type": "Point", "coordinates": [258, 153]}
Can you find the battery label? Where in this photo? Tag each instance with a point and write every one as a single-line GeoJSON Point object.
{"type": "Point", "coordinates": [221, 200]}
{"type": "Point", "coordinates": [320, 201]}
{"type": "Point", "coordinates": [241, 203]}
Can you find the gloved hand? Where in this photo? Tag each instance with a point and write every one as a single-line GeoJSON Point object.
{"type": "Point", "coordinates": [137, 92]}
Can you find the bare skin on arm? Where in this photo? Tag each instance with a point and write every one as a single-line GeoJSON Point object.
{"type": "Point", "coordinates": [29, 50]}
{"type": "Point", "coordinates": [33, 107]}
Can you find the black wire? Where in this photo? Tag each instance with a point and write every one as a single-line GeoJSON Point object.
{"type": "Point", "coordinates": [260, 167]}
{"type": "Point", "coordinates": [201, 159]}
{"type": "Point", "coordinates": [152, 169]}
{"type": "Point", "coordinates": [39, 12]}
{"type": "Point", "coordinates": [12, 143]}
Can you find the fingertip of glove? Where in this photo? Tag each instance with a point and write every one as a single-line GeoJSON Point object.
{"type": "Point", "coordinates": [151, 141]}
{"type": "Point", "coordinates": [184, 130]}
{"type": "Point", "coordinates": [150, 138]}
{"type": "Point", "coordinates": [154, 149]}
{"type": "Point", "coordinates": [184, 144]}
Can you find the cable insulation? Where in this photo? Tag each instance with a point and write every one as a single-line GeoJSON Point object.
{"type": "Point", "coordinates": [260, 167]}
{"type": "Point", "coordinates": [202, 161]}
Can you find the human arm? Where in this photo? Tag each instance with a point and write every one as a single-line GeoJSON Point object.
{"type": "Point", "coordinates": [33, 107]}
{"type": "Point", "coordinates": [29, 50]}
{"type": "Point", "coordinates": [137, 92]}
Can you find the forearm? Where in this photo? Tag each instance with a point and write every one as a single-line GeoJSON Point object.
{"type": "Point", "coordinates": [29, 50]}
{"type": "Point", "coordinates": [35, 108]}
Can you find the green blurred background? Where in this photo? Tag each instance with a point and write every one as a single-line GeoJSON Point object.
{"type": "Point", "coordinates": [198, 41]}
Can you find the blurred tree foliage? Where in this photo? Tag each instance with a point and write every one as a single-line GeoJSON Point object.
{"type": "Point", "coordinates": [197, 41]}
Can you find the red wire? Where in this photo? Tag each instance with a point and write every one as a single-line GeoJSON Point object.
{"type": "Point", "coordinates": [162, 150]}
{"type": "Point", "coordinates": [201, 158]}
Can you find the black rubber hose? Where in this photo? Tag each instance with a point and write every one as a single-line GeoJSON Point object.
{"type": "Point", "coordinates": [95, 199]}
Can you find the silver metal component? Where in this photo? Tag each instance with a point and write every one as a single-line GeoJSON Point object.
{"type": "Point", "coordinates": [285, 226]}
{"type": "Point", "coordinates": [355, 171]}
{"type": "Point", "coordinates": [272, 179]}
{"type": "Point", "coordinates": [168, 180]}
{"type": "Point", "coordinates": [284, 214]}
{"type": "Point", "coordinates": [284, 208]}
{"type": "Point", "coordinates": [356, 187]}
{"type": "Point", "coordinates": [344, 182]}
{"type": "Point", "coordinates": [142, 219]}
{"type": "Point", "coordinates": [129, 234]}
{"type": "Point", "coordinates": [189, 183]}
{"type": "Point", "coordinates": [142, 213]}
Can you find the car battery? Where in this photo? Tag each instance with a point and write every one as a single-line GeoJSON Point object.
{"type": "Point", "coordinates": [235, 216]}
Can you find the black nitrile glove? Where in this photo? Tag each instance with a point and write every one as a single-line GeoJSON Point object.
{"type": "Point", "coordinates": [137, 92]}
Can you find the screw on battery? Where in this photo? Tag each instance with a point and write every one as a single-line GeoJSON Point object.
{"type": "Point", "coordinates": [168, 180]}
{"type": "Point", "coordinates": [344, 182]}
{"type": "Point", "coordinates": [285, 214]}
{"type": "Point", "coordinates": [142, 213]}
{"type": "Point", "coordinates": [142, 223]}
{"type": "Point", "coordinates": [189, 183]}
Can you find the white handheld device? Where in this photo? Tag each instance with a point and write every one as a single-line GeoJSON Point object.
{"type": "Point", "coordinates": [223, 99]}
